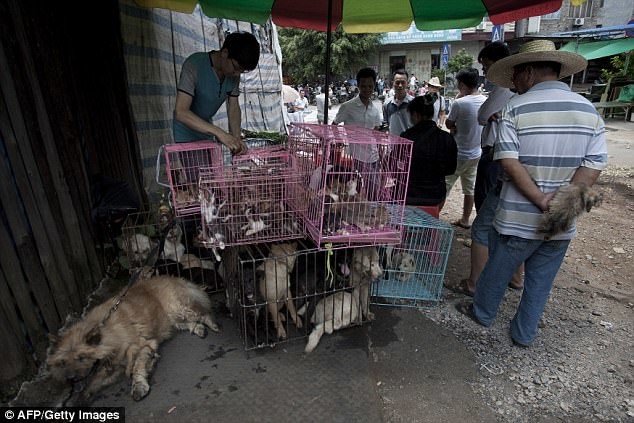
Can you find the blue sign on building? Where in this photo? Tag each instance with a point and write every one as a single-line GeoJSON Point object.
{"type": "Point", "coordinates": [413, 35]}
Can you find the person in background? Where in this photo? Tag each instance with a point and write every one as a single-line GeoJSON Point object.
{"type": "Point", "coordinates": [434, 155]}
{"type": "Point", "coordinates": [440, 114]}
{"type": "Point", "coordinates": [300, 106]}
{"type": "Point", "coordinates": [321, 103]}
{"type": "Point", "coordinates": [395, 113]}
{"type": "Point", "coordinates": [207, 80]}
{"type": "Point", "coordinates": [540, 150]}
{"type": "Point", "coordinates": [463, 123]}
{"type": "Point", "coordinates": [361, 111]}
{"type": "Point", "coordinates": [487, 175]}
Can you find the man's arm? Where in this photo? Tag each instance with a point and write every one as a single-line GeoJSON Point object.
{"type": "Point", "coordinates": [585, 176]}
{"type": "Point", "coordinates": [235, 121]}
{"type": "Point", "coordinates": [451, 125]}
{"type": "Point", "coordinates": [525, 184]}
{"type": "Point", "coordinates": [184, 115]}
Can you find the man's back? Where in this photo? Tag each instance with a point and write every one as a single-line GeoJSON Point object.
{"type": "Point", "coordinates": [552, 132]}
{"type": "Point", "coordinates": [464, 113]}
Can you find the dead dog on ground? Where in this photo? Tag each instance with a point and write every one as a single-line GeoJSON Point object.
{"type": "Point", "coordinates": [123, 334]}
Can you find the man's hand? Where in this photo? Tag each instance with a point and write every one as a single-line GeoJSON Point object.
{"type": "Point", "coordinates": [234, 144]}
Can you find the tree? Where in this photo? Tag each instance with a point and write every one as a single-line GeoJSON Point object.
{"type": "Point", "coordinates": [460, 60]}
{"type": "Point", "coordinates": [304, 52]}
{"type": "Point", "coordinates": [618, 67]}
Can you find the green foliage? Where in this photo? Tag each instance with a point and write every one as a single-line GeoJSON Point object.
{"type": "Point", "coordinates": [304, 53]}
{"type": "Point", "coordinates": [460, 60]}
{"type": "Point", "coordinates": [440, 73]}
{"type": "Point", "coordinates": [618, 68]}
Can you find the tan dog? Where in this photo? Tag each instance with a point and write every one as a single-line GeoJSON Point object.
{"type": "Point", "coordinates": [366, 268]}
{"type": "Point", "coordinates": [98, 349]}
{"type": "Point", "coordinates": [274, 284]}
{"type": "Point", "coordinates": [568, 203]}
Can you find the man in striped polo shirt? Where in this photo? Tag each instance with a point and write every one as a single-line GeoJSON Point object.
{"type": "Point", "coordinates": [548, 137]}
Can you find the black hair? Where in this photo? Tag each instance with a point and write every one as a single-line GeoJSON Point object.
{"type": "Point", "coordinates": [495, 51]}
{"type": "Point", "coordinates": [244, 48]}
{"type": "Point", "coordinates": [366, 73]}
{"type": "Point", "coordinates": [552, 66]}
{"type": "Point", "coordinates": [423, 105]}
{"type": "Point", "coordinates": [400, 71]}
{"type": "Point", "coordinates": [468, 76]}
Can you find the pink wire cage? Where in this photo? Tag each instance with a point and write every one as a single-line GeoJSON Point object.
{"type": "Point", "coordinates": [183, 162]}
{"type": "Point", "coordinates": [353, 183]}
{"type": "Point", "coordinates": [250, 200]}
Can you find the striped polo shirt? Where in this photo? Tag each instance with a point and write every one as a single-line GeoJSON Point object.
{"type": "Point", "coordinates": [552, 132]}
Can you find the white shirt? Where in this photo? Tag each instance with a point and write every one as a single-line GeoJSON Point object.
{"type": "Point", "coordinates": [498, 97]}
{"type": "Point", "coordinates": [354, 112]}
{"type": "Point", "coordinates": [301, 102]}
{"type": "Point", "coordinates": [321, 100]}
{"type": "Point", "coordinates": [464, 113]}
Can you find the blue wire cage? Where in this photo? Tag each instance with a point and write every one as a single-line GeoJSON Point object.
{"type": "Point", "coordinates": [414, 270]}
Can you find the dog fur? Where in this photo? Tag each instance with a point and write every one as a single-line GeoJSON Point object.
{"type": "Point", "coordinates": [333, 312]}
{"type": "Point", "coordinates": [274, 284]}
{"type": "Point", "coordinates": [569, 202]}
{"type": "Point", "coordinates": [365, 269]}
{"type": "Point", "coordinates": [98, 352]}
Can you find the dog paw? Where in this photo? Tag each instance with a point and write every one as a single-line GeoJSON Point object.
{"type": "Point", "coordinates": [298, 323]}
{"type": "Point", "coordinates": [370, 316]}
{"type": "Point", "coordinates": [215, 328]}
{"type": "Point", "coordinates": [140, 390]}
{"type": "Point", "coordinates": [281, 333]}
{"type": "Point", "coordinates": [200, 330]}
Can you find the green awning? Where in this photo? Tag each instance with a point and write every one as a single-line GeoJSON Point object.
{"type": "Point", "coordinates": [597, 49]}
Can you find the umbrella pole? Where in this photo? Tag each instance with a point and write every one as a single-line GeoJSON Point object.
{"type": "Point", "coordinates": [328, 41]}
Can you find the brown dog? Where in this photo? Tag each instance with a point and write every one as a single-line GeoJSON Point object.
{"type": "Point", "coordinates": [111, 340]}
{"type": "Point", "coordinates": [569, 202]}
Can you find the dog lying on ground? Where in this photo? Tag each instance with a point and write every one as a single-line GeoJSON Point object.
{"type": "Point", "coordinates": [568, 203]}
{"type": "Point", "coordinates": [274, 284]}
{"type": "Point", "coordinates": [334, 312]}
{"type": "Point", "coordinates": [110, 341]}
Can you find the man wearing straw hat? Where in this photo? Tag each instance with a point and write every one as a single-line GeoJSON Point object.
{"type": "Point", "coordinates": [548, 137]}
{"type": "Point", "coordinates": [433, 87]}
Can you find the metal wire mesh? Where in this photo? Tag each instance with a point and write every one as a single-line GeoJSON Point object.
{"type": "Point", "coordinates": [183, 254]}
{"type": "Point", "coordinates": [250, 200]}
{"type": "Point", "coordinates": [349, 177]}
{"type": "Point", "coordinates": [182, 164]}
{"type": "Point", "coordinates": [415, 269]}
{"type": "Point", "coordinates": [265, 277]}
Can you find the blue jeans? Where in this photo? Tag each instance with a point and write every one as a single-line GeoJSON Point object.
{"type": "Point", "coordinates": [483, 222]}
{"type": "Point", "coordinates": [542, 261]}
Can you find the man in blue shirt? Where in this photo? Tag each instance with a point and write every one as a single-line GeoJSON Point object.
{"type": "Point", "coordinates": [207, 80]}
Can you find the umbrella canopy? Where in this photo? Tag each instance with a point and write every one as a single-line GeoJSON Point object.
{"type": "Point", "coordinates": [365, 16]}
{"type": "Point", "coordinates": [289, 94]}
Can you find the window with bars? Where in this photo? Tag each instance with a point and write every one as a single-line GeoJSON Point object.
{"type": "Point", "coordinates": [584, 10]}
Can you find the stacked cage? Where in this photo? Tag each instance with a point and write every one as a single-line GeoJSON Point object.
{"type": "Point", "coordinates": [183, 162]}
{"type": "Point", "coordinates": [353, 183]}
{"type": "Point", "coordinates": [159, 243]}
{"type": "Point", "coordinates": [415, 268]}
{"type": "Point", "coordinates": [250, 200]}
{"type": "Point", "coordinates": [293, 290]}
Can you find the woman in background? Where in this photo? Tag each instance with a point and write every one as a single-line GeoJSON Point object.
{"type": "Point", "coordinates": [434, 155]}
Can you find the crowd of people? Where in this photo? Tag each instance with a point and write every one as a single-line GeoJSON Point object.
{"type": "Point", "coordinates": [512, 151]}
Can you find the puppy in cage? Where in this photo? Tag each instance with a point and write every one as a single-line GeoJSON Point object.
{"type": "Point", "coordinates": [342, 308]}
{"type": "Point", "coordinates": [274, 284]}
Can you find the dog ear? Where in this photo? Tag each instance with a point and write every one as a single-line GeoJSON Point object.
{"type": "Point", "coordinates": [93, 337]}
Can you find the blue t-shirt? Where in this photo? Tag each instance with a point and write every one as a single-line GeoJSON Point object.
{"type": "Point", "coordinates": [199, 80]}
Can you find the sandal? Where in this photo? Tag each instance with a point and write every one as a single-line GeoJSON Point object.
{"type": "Point", "coordinates": [461, 287]}
{"type": "Point", "coordinates": [467, 309]}
{"type": "Point", "coordinates": [461, 225]}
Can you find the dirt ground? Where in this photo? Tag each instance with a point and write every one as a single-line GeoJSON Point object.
{"type": "Point", "coordinates": [581, 367]}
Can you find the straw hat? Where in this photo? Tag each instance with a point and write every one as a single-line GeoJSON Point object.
{"type": "Point", "coordinates": [501, 72]}
{"type": "Point", "coordinates": [435, 82]}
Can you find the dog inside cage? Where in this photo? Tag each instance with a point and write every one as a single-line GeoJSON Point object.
{"type": "Point", "coordinates": [183, 254]}
{"type": "Point", "coordinates": [293, 290]}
